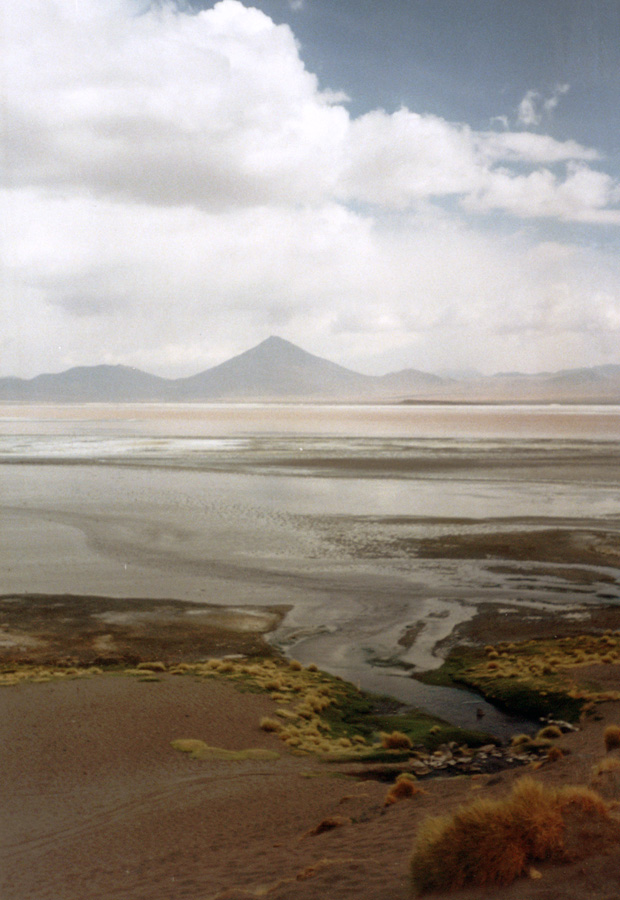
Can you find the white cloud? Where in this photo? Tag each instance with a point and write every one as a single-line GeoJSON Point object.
{"type": "Point", "coordinates": [533, 107]}
{"type": "Point", "coordinates": [178, 186]}
{"type": "Point", "coordinates": [213, 109]}
{"type": "Point", "coordinates": [405, 158]}
{"type": "Point", "coordinates": [528, 109]}
{"type": "Point", "coordinates": [583, 195]}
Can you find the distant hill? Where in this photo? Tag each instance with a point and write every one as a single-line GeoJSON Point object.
{"type": "Point", "coordinates": [87, 384]}
{"type": "Point", "coordinates": [277, 370]}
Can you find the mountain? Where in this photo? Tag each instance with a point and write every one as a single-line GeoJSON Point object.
{"type": "Point", "coordinates": [87, 384]}
{"type": "Point", "coordinates": [277, 370]}
{"type": "Point", "coordinates": [274, 370]}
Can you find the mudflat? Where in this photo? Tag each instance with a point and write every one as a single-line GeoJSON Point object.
{"type": "Point", "coordinates": [333, 536]}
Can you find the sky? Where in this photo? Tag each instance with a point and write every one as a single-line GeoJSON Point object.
{"type": "Point", "coordinates": [428, 184]}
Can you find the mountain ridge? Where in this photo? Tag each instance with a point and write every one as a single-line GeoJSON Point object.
{"type": "Point", "coordinates": [278, 370]}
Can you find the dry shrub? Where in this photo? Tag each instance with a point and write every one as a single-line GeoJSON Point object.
{"type": "Point", "coordinates": [295, 665]}
{"type": "Point", "coordinates": [611, 737]}
{"type": "Point", "coordinates": [554, 754]}
{"type": "Point", "coordinates": [584, 799]}
{"type": "Point", "coordinates": [329, 824]}
{"type": "Point", "coordinates": [549, 733]}
{"type": "Point", "coordinates": [152, 666]}
{"type": "Point", "coordinates": [606, 777]}
{"type": "Point", "coordinates": [395, 741]}
{"type": "Point", "coordinates": [403, 788]}
{"type": "Point", "coordinates": [268, 724]}
{"type": "Point", "coordinates": [609, 764]}
{"type": "Point", "coordinates": [492, 842]}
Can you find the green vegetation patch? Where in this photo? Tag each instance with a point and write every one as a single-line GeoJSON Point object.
{"type": "Point", "coordinates": [322, 714]}
{"type": "Point", "coordinates": [536, 678]}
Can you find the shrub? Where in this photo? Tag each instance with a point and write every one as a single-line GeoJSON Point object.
{"type": "Point", "coordinates": [329, 824]}
{"type": "Point", "coordinates": [554, 754]}
{"type": "Point", "coordinates": [152, 666]}
{"type": "Point", "coordinates": [549, 733]}
{"type": "Point", "coordinates": [268, 724]}
{"type": "Point", "coordinates": [492, 842]}
{"type": "Point", "coordinates": [395, 741]}
{"type": "Point", "coordinates": [611, 764]}
{"type": "Point", "coordinates": [611, 737]}
{"type": "Point", "coordinates": [404, 787]}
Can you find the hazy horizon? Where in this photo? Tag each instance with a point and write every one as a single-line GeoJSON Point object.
{"type": "Point", "coordinates": [452, 374]}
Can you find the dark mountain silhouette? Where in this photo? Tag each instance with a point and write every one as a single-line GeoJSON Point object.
{"type": "Point", "coordinates": [278, 370]}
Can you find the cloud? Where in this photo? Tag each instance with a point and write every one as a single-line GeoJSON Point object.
{"type": "Point", "coordinates": [528, 109]}
{"type": "Point", "coordinates": [405, 158]}
{"type": "Point", "coordinates": [533, 107]}
{"type": "Point", "coordinates": [583, 195]}
{"type": "Point", "coordinates": [213, 109]}
{"type": "Point", "coordinates": [178, 185]}
{"type": "Point", "coordinates": [216, 110]}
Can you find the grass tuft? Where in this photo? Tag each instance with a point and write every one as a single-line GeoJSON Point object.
{"type": "Point", "coordinates": [611, 737]}
{"type": "Point", "coordinates": [395, 741]}
{"type": "Point", "coordinates": [268, 724]}
{"type": "Point", "coordinates": [554, 754]}
{"type": "Point", "coordinates": [403, 788]}
{"type": "Point", "coordinates": [493, 842]}
{"type": "Point", "coordinates": [329, 823]}
{"type": "Point", "coordinates": [549, 733]}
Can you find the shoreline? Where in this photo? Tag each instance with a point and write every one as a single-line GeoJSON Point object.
{"type": "Point", "coordinates": [85, 631]}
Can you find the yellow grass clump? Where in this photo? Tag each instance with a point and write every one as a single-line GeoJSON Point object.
{"type": "Point", "coordinates": [554, 754]}
{"type": "Point", "coordinates": [606, 777]}
{"type": "Point", "coordinates": [199, 750]}
{"type": "Point", "coordinates": [395, 741]}
{"type": "Point", "coordinates": [155, 666]}
{"type": "Point", "coordinates": [268, 724]}
{"type": "Point", "coordinates": [328, 824]}
{"type": "Point", "coordinates": [549, 733]}
{"type": "Point", "coordinates": [608, 764]}
{"type": "Point", "coordinates": [493, 842]}
{"type": "Point", "coordinates": [611, 737]}
{"type": "Point", "coordinates": [403, 788]}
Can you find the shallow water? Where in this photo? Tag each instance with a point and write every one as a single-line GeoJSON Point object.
{"type": "Point", "coordinates": [319, 508]}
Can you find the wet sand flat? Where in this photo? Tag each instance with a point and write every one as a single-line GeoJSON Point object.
{"type": "Point", "coordinates": [377, 544]}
